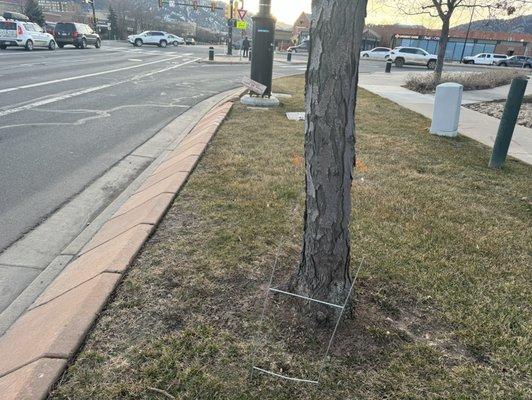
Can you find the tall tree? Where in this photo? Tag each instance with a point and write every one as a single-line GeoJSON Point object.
{"type": "Point", "coordinates": [446, 9]}
{"type": "Point", "coordinates": [113, 21]}
{"type": "Point", "coordinates": [34, 12]}
{"type": "Point", "coordinates": [330, 99]}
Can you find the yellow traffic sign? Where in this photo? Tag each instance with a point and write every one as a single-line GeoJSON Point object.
{"type": "Point", "coordinates": [241, 25]}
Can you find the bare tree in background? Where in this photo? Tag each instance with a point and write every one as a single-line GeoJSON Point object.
{"type": "Point", "coordinates": [446, 9]}
{"type": "Point", "coordinates": [331, 89]}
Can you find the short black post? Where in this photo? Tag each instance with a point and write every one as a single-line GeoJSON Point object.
{"type": "Point", "coordinates": [211, 53]}
{"type": "Point", "coordinates": [508, 121]}
{"type": "Point", "coordinates": [388, 66]}
{"type": "Point", "coordinates": [289, 56]}
{"type": "Point", "coordinates": [249, 54]}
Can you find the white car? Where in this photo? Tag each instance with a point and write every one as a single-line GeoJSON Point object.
{"type": "Point", "coordinates": [157, 38]}
{"type": "Point", "coordinates": [24, 34]}
{"type": "Point", "coordinates": [413, 56]}
{"type": "Point", "coordinates": [175, 40]}
{"type": "Point", "coordinates": [485, 59]}
{"type": "Point", "coordinates": [378, 53]}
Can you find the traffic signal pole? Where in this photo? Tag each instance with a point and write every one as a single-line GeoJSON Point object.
{"type": "Point", "coordinates": [94, 17]}
{"type": "Point", "coordinates": [230, 30]}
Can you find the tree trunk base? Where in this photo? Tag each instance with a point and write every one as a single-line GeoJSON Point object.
{"type": "Point", "coordinates": [332, 293]}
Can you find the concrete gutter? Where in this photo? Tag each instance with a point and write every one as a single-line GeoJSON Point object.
{"type": "Point", "coordinates": [37, 346]}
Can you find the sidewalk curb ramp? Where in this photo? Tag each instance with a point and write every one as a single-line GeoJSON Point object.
{"type": "Point", "coordinates": [38, 346]}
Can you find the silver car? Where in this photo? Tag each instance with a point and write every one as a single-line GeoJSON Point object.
{"type": "Point", "coordinates": [24, 34]}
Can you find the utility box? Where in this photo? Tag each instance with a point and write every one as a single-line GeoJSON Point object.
{"type": "Point", "coordinates": [446, 114]}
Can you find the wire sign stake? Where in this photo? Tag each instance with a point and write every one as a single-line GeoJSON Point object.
{"type": "Point", "coordinates": [271, 289]}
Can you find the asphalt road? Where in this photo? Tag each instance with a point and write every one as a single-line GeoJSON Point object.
{"type": "Point", "coordinates": [67, 116]}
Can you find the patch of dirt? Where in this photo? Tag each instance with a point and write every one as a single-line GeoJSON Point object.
{"type": "Point", "coordinates": [496, 108]}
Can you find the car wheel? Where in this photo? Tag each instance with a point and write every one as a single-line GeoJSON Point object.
{"type": "Point", "coordinates": [29, 45]}
{"type": "Point", "coordinates": [98, 43]}
{"type": "Point", "coordinates": [365, 55]}
{"type": "Point", "coordinates": [60, 45]}
{"type": "Point", "coordinates": [528, 66]}
{"type": "Point", "coordinates": [399, 62]}
{"type": "Point", "coordinates": [3, 47]}
{"type": "Point", "coordinates": [163, 43]}
{"type": "Point", "coordinates": [138, 42]}
{"type": "Point", "coordinates": [431, 64]}
{"type": "Point", "coordinates": [51, 45]}
{"type": "Point", "coordinates": [83, 44]}
{"type": "Point", "coordinates": [175, 44]}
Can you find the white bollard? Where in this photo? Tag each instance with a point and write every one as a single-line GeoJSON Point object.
{"type": "Point", "coordinates": [446, 114]}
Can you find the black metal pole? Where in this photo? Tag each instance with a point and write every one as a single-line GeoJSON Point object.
{"type": "Point", "coordinates": [94, 17]}
{"type": "Point", "coordinates": [468, 30]}
{"type": "Point", "coordinates": [263, 45]}
{"type": "Point", "coordinates": [230, 39]}
{"type": "Point", "coordinates": [508, 121]}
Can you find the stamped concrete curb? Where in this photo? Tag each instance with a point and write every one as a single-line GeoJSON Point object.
{"type": "Point", "coordinates": [36, 349]}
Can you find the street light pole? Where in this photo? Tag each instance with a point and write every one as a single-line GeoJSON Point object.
{"type": "Point", "coordinates": [263, 46]}
{"type": "Point", "coordinates": [468, 30]}
{"type": "Point", "coordinates": [230, 40]}
{"type": "Point", "coordinates": [94, 17]}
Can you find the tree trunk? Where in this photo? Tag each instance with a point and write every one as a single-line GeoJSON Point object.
{"type": "Point", "coordinates": [331, 87]}
{"type": "Point", "coordinates": [442, 48]}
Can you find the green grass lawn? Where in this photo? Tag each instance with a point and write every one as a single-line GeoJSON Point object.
{"type": "Point", "coordinates": [442, 306]}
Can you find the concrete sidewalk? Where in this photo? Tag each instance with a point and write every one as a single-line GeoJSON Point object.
{"type": "Point", "coordinates": [475, 125]}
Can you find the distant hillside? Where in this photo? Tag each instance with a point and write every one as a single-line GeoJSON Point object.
{"type": "Point", "coordinates": [521, 24]}
{"type": "Point", "coordinates": [205, 18]}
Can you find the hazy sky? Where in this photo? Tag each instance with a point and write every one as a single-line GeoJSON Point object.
{"type": "Point", "coordinates": [288, 11]}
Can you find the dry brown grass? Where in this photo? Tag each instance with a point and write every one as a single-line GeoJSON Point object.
{"type": "Point", "coordinates": [441, 311]}
{"type": "Point", "coordinates": [486, 79]}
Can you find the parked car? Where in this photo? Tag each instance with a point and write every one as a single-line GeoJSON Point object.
{"type": "Point", "coordinates": [484, 59]}
{"type": "Point", "coordinates": [76, 34]}
{"type": "Point", "coordinates": [190, 41]}
{"type": "Point", "coordinates": [24, 34]}
{"type": "Point", "coordinates": [176, 40]}
{"type": "Point", "coordinates": [49, 27]}
{"type": "Point", "coordinates": [303, 47]}
{"type": "Point", "coordinates": [413, 56]}
{"type": "Point", "coordinates": [157, 38]}
{"type": "Point", "coordinates": [515, 61]}
{"type": "Point", "coordinates": [378, 53]}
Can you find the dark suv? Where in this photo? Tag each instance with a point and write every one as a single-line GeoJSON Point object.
{"type": "Point", "coordinates": [78, 35]}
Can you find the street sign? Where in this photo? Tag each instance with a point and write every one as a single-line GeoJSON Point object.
{"type": "Point", "coordinates": [242, 13]}
{"type": "Point", "coordinates": [241, 25]}
{"type": "Point", "coordinates": [254, 86]}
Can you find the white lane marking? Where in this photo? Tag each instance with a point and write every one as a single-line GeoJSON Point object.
{"type": "Point", "coordinates": [88, 90]}
{"type": "Point", "coordinates": [55, 99]}
{"type": "Point", "coordinates": [72, 78]}
{"type": "Point", "coordinates": [98, 114]}
{"type": "Point", "coordinates": [134, 59]}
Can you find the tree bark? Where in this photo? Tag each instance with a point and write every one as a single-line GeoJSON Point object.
{"type": "Point", "coordinates": [442, 48]}
{"type": "Point", "coordinates": [330, 98]}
